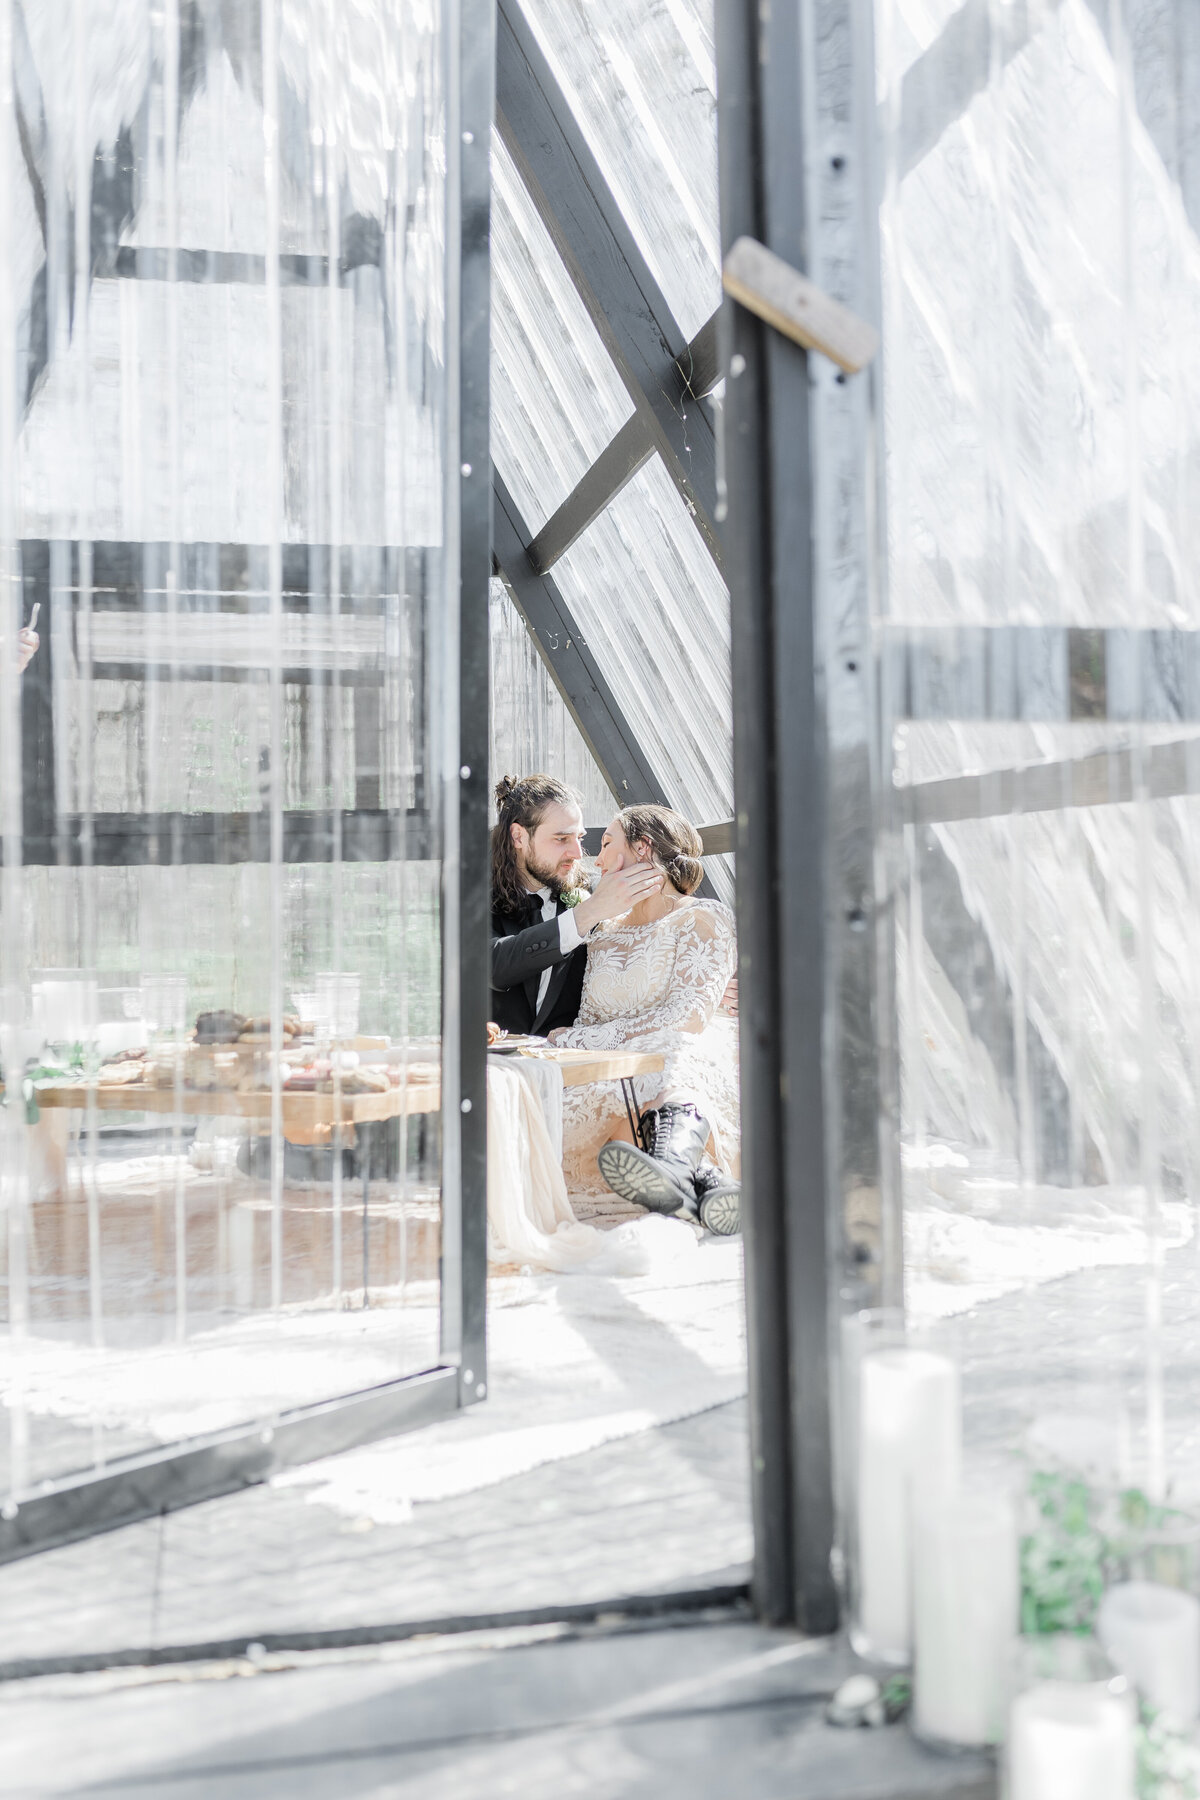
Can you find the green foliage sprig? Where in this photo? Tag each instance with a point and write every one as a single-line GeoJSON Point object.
{"type": "Point", "coordinates": [1062, 1558]}
{"type": "Point", "coordinates": [1077, 1536]}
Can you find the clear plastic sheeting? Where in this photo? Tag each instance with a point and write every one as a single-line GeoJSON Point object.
{"type": "Point", "coordinates": [557, 400]}
{"type": "Point", "coordinates": [224, 438]}
{"type": "Point", "coordinates": [531, 727]}
{"type": "Point", "coordinates": [1041, 850]}
{"type": "Point", "coordinates": [641, 80]}
{"type": "Point", "coordinates": [1050, 373]}
{"type": "Point", "coordinates": [655, 612]}
{"type": "Point", "coordinates": [916, 27]}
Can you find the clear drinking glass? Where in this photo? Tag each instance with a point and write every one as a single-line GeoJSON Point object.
{"type": "Point", "coordinates": [65, 1007]}
{"type": "Point", "coordinates": [337, 997]}
{"type": "Point", "coordinates": [164, 1005]}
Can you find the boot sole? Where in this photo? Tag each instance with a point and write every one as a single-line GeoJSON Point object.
{"type": "Point", "coordinates": [722, 1214]}
{"type": "Point", "coordinates": [637, 1177]}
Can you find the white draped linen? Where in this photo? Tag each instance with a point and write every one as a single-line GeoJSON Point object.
{"type": "Point", "coordinates": [530, 1219]}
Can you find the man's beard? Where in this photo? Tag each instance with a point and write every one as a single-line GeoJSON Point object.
{"type": "Point", "coordinates": [551, 878]}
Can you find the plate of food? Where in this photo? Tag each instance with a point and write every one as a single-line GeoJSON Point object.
{"type": "Point", "coordinates": [508, 1043]}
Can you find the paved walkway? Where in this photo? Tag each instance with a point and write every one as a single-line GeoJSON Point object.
{"type": "Point", "coordinates": [662, 1511]}
{"type": "Point", "coordinates": [713, 1711]}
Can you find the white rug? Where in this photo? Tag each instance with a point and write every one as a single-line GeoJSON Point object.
{"type": "Point", "coordinates": [576, 1361]}
{"type": "Point", "coordinates": [222, 1377]}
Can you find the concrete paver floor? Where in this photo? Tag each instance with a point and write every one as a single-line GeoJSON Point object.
{"type": "Point", "coordinates": [714, 1710]}
{"type": "Point", "coordinates": [662, 1511]}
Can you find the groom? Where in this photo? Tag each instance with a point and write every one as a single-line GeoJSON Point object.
{"type": "Point", "coordinates": [540, 922]}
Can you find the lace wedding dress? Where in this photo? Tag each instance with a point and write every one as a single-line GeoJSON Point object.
{"type": "Point", "coordinates": [656, 988]}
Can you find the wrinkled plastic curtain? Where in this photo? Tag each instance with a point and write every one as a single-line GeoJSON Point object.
{"type": "Point", "coordinates": [642, 587]}
{"type": "Point", "coordinates": [1038, 665]}
{"type": "Point", "coordinates": [223, 426]}
{"type": "Point", "coordinates": [531, 728]}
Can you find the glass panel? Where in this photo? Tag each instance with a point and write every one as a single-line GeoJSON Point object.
{"type": "Point", "coordinates": [1015, 435]}
{"type": "Point", "coordinates": [531, 727]}
{"type": "Point", "coordinates": [643, 587]}
{"type": "Point", "coordinates": [556, 398]}
{"type": "Point", "coordinates": [641, 80]}
{"type": "Point", "coordinates": [1042, 297]}
{"type": "Point", "coordinates": [223, 413]}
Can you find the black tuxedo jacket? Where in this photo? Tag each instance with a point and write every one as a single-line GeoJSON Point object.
{"type": "Point", "coordinates": [520, 953]}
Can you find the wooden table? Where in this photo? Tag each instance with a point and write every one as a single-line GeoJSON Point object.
{"type": "Point", "coordinates": [303, 1111]}
{"type": "Point", "coordinates": [580, 1066]}
{"type": "Point", "coordinates": [306, 1109]}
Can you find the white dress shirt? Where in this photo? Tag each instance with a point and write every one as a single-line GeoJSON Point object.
{"type": "Point", "coordinates": [568, 936]}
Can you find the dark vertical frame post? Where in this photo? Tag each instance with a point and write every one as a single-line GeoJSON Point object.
{"type": "Point", "coordinates": [469, 126]}
{"type": "Point", "coordinates": [802, 544]}
{"type": "Point", "coordinates": [779, 786]}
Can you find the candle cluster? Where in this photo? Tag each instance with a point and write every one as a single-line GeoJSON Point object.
{"type": "Point", "coordinates": [937, 1571]}
{"type": "Point", "coordinates": [935, 1580]}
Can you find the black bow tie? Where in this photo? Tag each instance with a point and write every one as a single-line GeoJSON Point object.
{"type": "Point", "coordinates": [533, 906]}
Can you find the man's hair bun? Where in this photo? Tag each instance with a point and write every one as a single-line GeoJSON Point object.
{"type": "Point", "coordinates": [520, 800]}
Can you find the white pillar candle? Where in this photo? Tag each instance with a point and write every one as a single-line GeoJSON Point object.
{"type": "Point", "coordinates": [1072, 1741]}
{"type": "Point", "coordinates": [966, 1615]}
{"type": "Point", "coordinates": [1152, 1634]}
{"type": "Point", "coordinates": [910, 1453]}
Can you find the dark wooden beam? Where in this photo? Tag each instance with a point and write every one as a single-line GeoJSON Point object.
{"type": "Point", "coordinates": [636, 442]}
{"type": "Point", "coordinates": [170, 839]}
{"type": "Point", "coordinates": [573, 669]}
{"type": "Point", "coordinates": [632, 447]}
{"type": "Point", "coordinates": [598, 248]}
{"type": "Point", "coordinates": [700, 363]}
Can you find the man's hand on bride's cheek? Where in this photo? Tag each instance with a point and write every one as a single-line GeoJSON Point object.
{"type": "Point", "coordinates": [617, 893]}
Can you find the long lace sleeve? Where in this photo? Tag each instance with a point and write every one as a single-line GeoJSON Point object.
{"type": "Point", "coordinates": [704, 961]}
{"type": "Point", "coordinates": [667, 977]}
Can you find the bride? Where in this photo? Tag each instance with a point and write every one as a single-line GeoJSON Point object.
{"type": "Point", "coordinates": [654, 982]}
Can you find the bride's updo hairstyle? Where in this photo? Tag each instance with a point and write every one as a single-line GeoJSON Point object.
{"type": "Point", "coordinates": [674, 844]}
{"type": "Point", "coordinates": [520, 800]}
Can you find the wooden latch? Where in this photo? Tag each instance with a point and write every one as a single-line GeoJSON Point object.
{"type": "Point", "coordinates": [771, 289]}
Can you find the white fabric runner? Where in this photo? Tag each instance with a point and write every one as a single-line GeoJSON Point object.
{"type": "Point", "coordinates": [545, 1077]}
{"type": "Point", "coordinates": [530, 1219]}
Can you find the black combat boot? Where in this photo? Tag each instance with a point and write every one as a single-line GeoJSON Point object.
{"type": "Point", "coordinates": [718, 1200]}
{"type": "Point", "coordinates": [659, 1176]}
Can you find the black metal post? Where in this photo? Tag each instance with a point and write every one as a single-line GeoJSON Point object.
{"type": "Point", "coordinates": [477, 105]}
{"type": "Point", "coordinates": [780, 784]}
{"type": "Point", "coordinates": [38, 772]}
